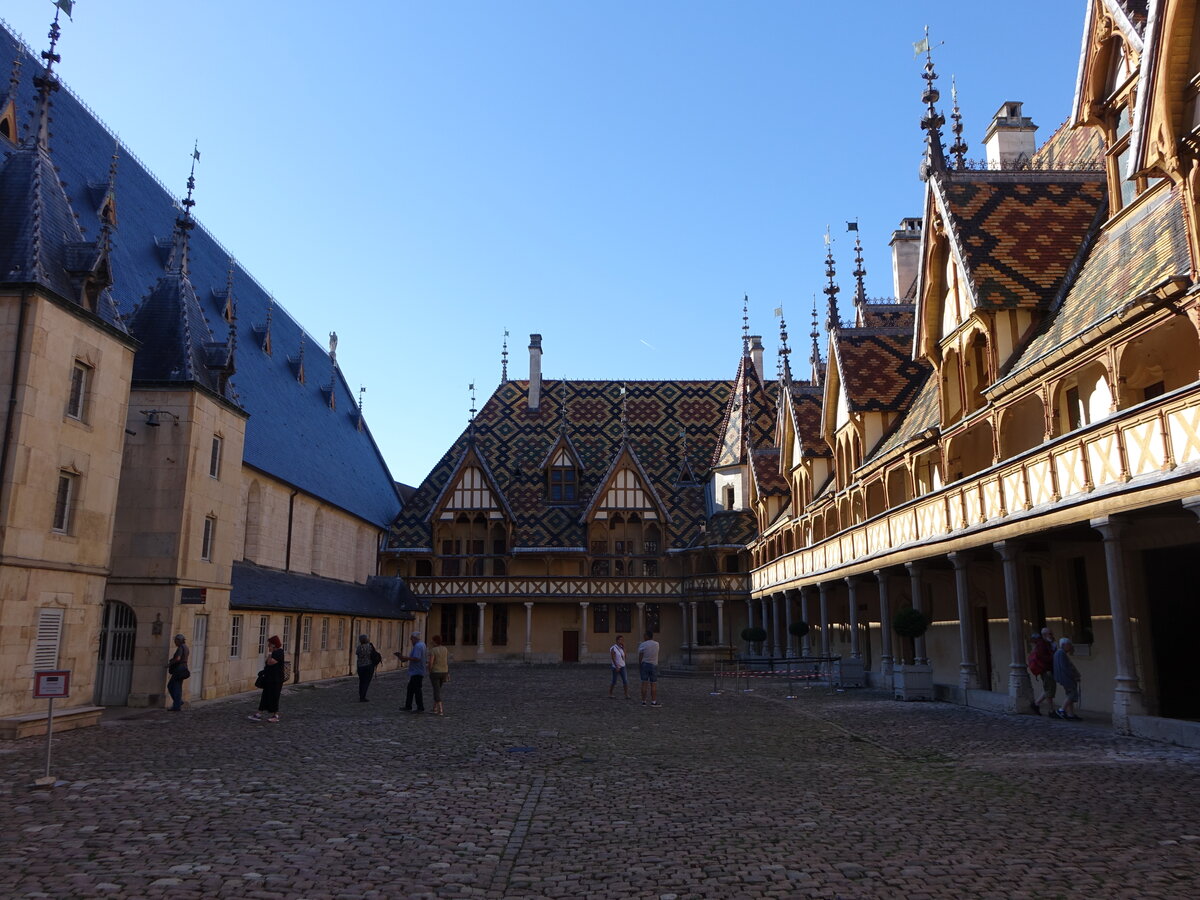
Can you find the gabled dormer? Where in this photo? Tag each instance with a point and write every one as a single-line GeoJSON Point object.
{"type": "Point", "coordinates": [470, 520]}
{"type": "Point", "coordinates": [625, 520]}
{"type": "Point", "coordinates": [563, 471]}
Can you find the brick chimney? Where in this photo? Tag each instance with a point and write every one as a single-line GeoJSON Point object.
{"type": "Point", "coordinates": [906, 257]}
{"type": "Point", "coordinates": [535, 371]}
{"type": "Point", "coordinates": [1010, 139]}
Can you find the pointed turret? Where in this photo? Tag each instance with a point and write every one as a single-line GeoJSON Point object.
{"type": "Point", "coordinates": [831, 289]}
{"type": "Point", "coordinates": [41, 242]}
{"type": "Point", "coordinates": [959, 148]}
{"type": "Point", "coordinates": [860, 274]}
{"type": "Point", "coordinates": [814, 355]}
{"type": "Point", "coordinates": [933, 120]}
{"type": "Point", "coordinates": [177, 342]}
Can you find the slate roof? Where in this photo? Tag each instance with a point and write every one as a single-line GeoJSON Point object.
{"type": "Point", "coordinates": [255, 587]}
{"type": "Point", "coordinates": [1019, 233]}
{"type": "Point", "coordinates": [923, 413]}
{"type": "Point", "coordinates": [1140, 251]}
{"type": "Point", "coordinates": [514, 441]}
{"type": "Point", "coordinates": [304, 434]}
{"type": "Point", "coordinates": [877, 371]}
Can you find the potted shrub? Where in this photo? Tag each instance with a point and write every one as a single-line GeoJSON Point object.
{"type": "Point", "coordinates": [912, 680]}
{"type": "Point", "coordinates": [754, 635]}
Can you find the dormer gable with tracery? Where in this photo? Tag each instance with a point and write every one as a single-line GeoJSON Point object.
{"type": "Point", "coordinates": [563, 471]}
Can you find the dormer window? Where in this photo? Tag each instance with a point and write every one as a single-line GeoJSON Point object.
{"type": "Point", "coordinates": [562, 476]}
{"type": "Point", "coordinates": [729, 496]}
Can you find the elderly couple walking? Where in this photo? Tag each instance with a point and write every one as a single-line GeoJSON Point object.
{"type": "Point", "coordinates": [647, 667]}
{"type": "Point", "coordinates": [1052, 663]}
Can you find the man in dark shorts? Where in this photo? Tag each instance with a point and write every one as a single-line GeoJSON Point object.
{"type": "Point", "coordinates": [648, 667]}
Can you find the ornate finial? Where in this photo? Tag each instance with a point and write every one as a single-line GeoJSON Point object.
{"type": "Point", "coordinates": [815, 356]}
{"type": "Point", "coordinates": [362, 389]}
{"type": "Point", "coordinates": [300, 362]}
{"type": "Point", "coordinates": [471, 388]}
{"type": "Point", "coordinates": [14, 80]}
{"type": "Point", "coordinates": [108, 209]}
{"type": "Point", "coordinates": [860, 290]}
{"type": "Point", "coordinates": [184, 223]}
{"type": "Point", "coordinates": [231, 309]}
{"type": "Point", "coordinates": [746, 325]}
{"type": "Point", "coordinates": [831, 290]}
{"type": "Point", "coordinates": [504, 360]}
{"type": "Point", "coordinates": [932, 122]}
{"type": "Point", "coordinates": [46, 84]}
{"type": "Point", "coordinates": [624, 413]}
{"type": "Point", "coordinates": [959, 147]}
{"type": "Point", "coordinates": [333, 347]}
{"type": "Point", "coordinates": [785, 368]}
{"type": "Point", "coordinates": [562, 405]}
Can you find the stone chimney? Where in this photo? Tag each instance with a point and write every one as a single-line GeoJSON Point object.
{"type": "Point", "coordinates": [756, 354]}
{"type": "Point", "coordinates": [906, 257]}
{"type": "Point", "coordinates": [1010, 137]}
{"type": "Point", "coordinates": [535, 371]}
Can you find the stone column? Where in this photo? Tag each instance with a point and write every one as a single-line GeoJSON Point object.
{"type": "Point", "coordinates": [1127, 695]}
{"type": "Point", "coordinates": [479, 636]}
{"type": "Point", "coordinates": [918, 602]}
{"type": "Point", "coordinates": [789, 638]}
{"type": "Point", "coordinates": [720, 604]}
{"type": "Point", "coordinates": [852, 603]}
{"type": "Point", "coordinates": [583, 629]}
{"type": "Point", "coordinates": [683, 625]}
{"type": "Point", "coordinates": [528, 628]}
{"type": "Point", "coordinates": [695, 625]}
{"type": "Point", "coordinates": [749, 613]}
{"type": "Point", "coordinates": [824, 588]}
{"type": "Point", "coordinates": [776, 646]}
{"type": "Point", "coordinates": [805, 643]}
{"type": "Point", "coordinates": [641, 620]}
{"type": "Point", "coordinates": [968, 671]}
{"type": "Point", "coordinates": [1020, 693]}
{"type": "Point", "coordinates": [885, 626]}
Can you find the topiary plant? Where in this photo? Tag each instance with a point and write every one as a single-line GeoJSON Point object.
{"type": "Point", "coordinates": [754, 634]}
{"type": "Point", "coordinates": [910, 623]}
{"type": "Point", "coordinates": [798, 629]}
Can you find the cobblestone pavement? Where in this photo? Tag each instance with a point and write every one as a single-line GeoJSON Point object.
{"type": "Point", "coordinates": [536, 785]}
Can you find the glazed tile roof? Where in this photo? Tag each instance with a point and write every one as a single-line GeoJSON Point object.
{"type": "Point", "coordinates": [1019, 233]}
{"type": "Point", "coordinates": [727, 529]}
{"type": "Point", "coordinates": [293, 433]}
{"type": "Point", "coordinates": [888, 314]}
{"type": "Point", "coordinates": [876, 368]}
{"type": "Point", "coordinates": [767, 477]}
{"type": "Point", "coordinates": [514, 441]}
{"type": "Point", "coordinates": [924, 413]}
{"type": "Point", "coordinates": [806, 413]}
{"type": "Point", "coordinates": [1070, 148]}
{"type": "Point", "coordinates": [1140, 251]}
{"type": "Point", "coordinates": [749, 419]}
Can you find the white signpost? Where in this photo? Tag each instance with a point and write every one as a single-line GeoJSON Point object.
{"type": "Point", "coordinates": [50, 685]}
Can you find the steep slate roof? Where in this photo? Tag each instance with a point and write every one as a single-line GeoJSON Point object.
{"type": "Point", "coordinates": [806, 413]}
{"type": "Point", "coordinates": [254, 587]}
{"type": "Point", "coordinates": [749, 419]}
{"type": "Point", "coordinates": [1139, 252]}
{"type": "Point", "coordinates": [514, 441]}
{"type": "Point", "coordinates": [293, 434]}
{"type": "Point", "coordinates": [1020, 232]}
{"type": "Point", "coordinates": [924, 412]}
{"type": "Point", "coordinates": [878, 373]}
{"type": "Point", "coordinates": [767, 478]}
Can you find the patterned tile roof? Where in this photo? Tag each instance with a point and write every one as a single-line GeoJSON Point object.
{"type": "Point", "coordinates": [306, 434]}
{"type": "Point", "coordinates": [876, 368]}
{"type": "Point", "coordinates": [888, 314]}
{"type": "Point", "coordinates": [767, 477]}
{"type": "Point", "coordinates": [1144, 248]}
{"type": "Point", "coordinates": [749, 419]}
{"type": "Point", "coordinates": [806, 410]}
{"type": "Point", "coordinates": [1019, 233]}
{"type": "Point", "coordinates": [514, 441]}
{"type": "Point", "coordinates": [924, 413]}
{"type": "Point", "coordinates": [1070, 148]}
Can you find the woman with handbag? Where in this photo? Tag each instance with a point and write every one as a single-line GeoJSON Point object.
{"type": "Point", "coordinates": [272, 681]}
{"type": "Point", "coordinates": [177, 668]}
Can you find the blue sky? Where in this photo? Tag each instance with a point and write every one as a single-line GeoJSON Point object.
{"type": "Point", "coordinates": [421, 177]}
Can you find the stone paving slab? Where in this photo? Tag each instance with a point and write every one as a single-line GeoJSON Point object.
{"type": "Point", "coordinates": [537, 785]}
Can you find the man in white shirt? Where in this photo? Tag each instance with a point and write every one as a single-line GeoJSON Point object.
{"type": "Point", "coordinates": [648, 667]}
{"type": "Point", "coordinates": [616, 653]}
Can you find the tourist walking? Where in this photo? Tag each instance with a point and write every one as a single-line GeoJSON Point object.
{"type": "Point", "coordinates": [1041, 666]}
{"type": "Point", "coordinates": [616, 653]}
{"type": "Point", "coordinates": [1067, 675]}
{"type": "Point", "coordinates": [648, 668]}
{"type": "Point", "coordinates": [416, 673]}
{"type": "Point", "coordinates": [178, 670]}
{"type": "Point", "coordinates": [272, 681]}
{"type": "Point", "coordinates": [439, 672]}
{"type": "Point", "coordinates": [367, 658]}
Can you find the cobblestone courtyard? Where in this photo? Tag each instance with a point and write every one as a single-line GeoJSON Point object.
{"type": "Point", "coordinates": [536, 785]}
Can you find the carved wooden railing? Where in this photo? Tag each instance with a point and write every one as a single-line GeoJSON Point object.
{"type": "Point", "coordinates": [1149, 440]}
{"type": "Point", "coordinates": [562, 587]}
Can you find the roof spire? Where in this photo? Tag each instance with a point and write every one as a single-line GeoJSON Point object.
{"type": "Point", "coordinates": [504, 360]}
{"type": "Point", "coordinates": [562, 405]}
{"type": "Point", "coordinates": [785, 367]}
{"type": "Point", "coordinates": [46, 84]}
{"type": "Point", "coordinates": [831, 290]}
{"type": "Point", "coordinates": [932, 122]}
{"type": "Point", "coordinates": [814, 358]}
{"type": "Point", "coordinates": [746, 325]}
{"type": "Point", "coordinates": [624, 414]}
{"type": "Point", "coordinates": [108, 209]}
{"type": "Point", "coordinates": [231, 305]}
{"type": "Point", "coordinates": [362, 389]}
{"type": "Point", "coordinates": [959, 147]}
{"type": "Point", "coordinates": [860, 290]}
{"type": "Point", "coordinates": [178, 262]}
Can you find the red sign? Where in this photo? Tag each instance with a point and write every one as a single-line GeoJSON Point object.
{"type": "Point", "coordinates": [52, 684]}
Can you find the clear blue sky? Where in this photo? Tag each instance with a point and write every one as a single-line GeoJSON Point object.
{"type": "Point", "coordinates": [421, 176]}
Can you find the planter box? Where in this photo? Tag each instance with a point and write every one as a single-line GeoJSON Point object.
{"type": "Point", "coordinates": [850, 673]}
{"type": "Point", "coordinates": [912, 682]}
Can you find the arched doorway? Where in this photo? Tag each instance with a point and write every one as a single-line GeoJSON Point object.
{"type": "Point", "coordinates": [115, 665]}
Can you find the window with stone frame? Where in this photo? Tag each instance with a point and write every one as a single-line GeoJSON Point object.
{"type": "Point", "coordinates": [470, 624]}
{"type": "Point", "coordinates": [600, 618]}
{"type": "Point", "coordinates": [77, 395]}
{"type": "Point", "coordinates": [653, 618]}
{"type": "Point", "coordinates": [449, 629]}
{"type": "Point", "coordinates": [624, 618]}
{"type": "Point", "coordinates": [64, 502]}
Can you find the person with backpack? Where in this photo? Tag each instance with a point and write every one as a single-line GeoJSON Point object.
{"type": "Point", "coordinates": [1041, 665]}
{"type": "Point", "coordinates": [1066, 674]}
{"type": "Point", "coordinates": [367, 659]}
{"type": "Point", "coordinates": [272, 677]}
